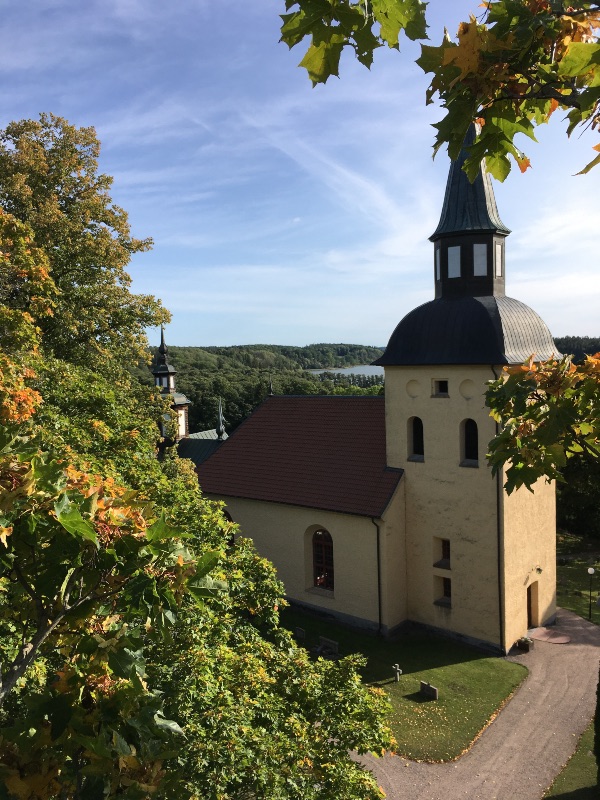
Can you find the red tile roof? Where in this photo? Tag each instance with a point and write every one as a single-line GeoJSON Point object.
{"type": "Point", "coordinates": [319, 452]}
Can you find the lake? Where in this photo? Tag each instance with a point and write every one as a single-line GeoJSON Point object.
{"type": "Point", "coordinates": [361, 369]}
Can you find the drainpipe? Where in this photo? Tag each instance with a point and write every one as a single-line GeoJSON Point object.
{"type": "Point", "coordinates": [500, 542]}
{"type": "Point", "coordinates": [378, 574]}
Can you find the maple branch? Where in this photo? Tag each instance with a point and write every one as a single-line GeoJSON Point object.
{"type": "Point", "coordinates": [579, 12]}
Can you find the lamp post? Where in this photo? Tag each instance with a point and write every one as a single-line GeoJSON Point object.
{"type": "Point", "coordinates": [591, 571]}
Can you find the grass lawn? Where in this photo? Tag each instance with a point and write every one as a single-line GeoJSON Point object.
{"type": "Point", "coordinates": [572, 580]}
{"type": "Point", "coordinates": [472, 686]}
{"type": "Point", "coordinates": [579, 779]}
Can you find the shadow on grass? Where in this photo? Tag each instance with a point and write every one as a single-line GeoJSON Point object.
{"type": "Point", "coordinates": [587, 793]}
{"type": "Point", "coordinates": [417, 697]}
{"type": "Point", "coordinates": [414, 652]}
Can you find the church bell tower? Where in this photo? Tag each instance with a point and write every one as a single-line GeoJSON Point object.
{"type": "Point", "coordinates": [480, 564]}
{"type": "Point", "coordinates": [164, 379]}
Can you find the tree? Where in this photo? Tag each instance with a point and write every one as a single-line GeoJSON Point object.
{"type": "Point", "coordinates": [116, 575]}
{"type": "Point", "coordinates": [509, 71]}
{"type": "Point", "coordinates": [49, 180]}
{"type": "Point", "coordinates": [550, 412]}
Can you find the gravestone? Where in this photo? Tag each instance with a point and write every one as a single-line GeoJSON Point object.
{"type": "Point", "coordinates": [429, 691]}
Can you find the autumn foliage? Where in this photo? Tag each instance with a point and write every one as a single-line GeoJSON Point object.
{"type": "Point", "coordinates": [509, 69]}
{"type": "Point", "coordinates": [130, 629]}
{"type": "Point", "coordinates": [549, 412]}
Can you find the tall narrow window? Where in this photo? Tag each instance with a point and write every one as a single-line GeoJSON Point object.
{"type": "Point", "coordinates": [454, 262]}
{"type": "Point", "coordinates": [469, 444]}
{"type": "Point", "coordinates": [441, 553]}
{"type": "Point", "coordinates": [323, 560]}
{"type": "Point", "coordinates": [480, 260]}
{"type": "Point", "coordinates": [438, 270]}
{"type": "Point", "coordinates": [416, 441]}
{"type": "Point", "coordinates": [498, 269]}
{"type": "Point", "coordinates": [442, 591]}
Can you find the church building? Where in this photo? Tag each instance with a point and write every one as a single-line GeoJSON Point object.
{"type": "Point", "coordinates": [382, 511]}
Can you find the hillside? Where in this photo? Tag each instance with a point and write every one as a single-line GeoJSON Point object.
{"type": "Point", "coordinates": [241, 376]}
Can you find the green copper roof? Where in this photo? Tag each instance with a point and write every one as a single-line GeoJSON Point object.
{"type": "Point", "coordinates": [468, 207]}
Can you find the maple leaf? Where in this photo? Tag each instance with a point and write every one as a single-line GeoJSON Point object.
{"type": "Point", "coordinates": [466, 56]}
{"type": "Point", "coordinates": [524, 163]}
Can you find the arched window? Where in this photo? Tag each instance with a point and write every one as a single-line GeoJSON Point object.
{"type": "Point", "coordinates": [416, 442]}
{"type": "Point", "coordinates": [469, 445]}
{"type": "Point", "coordinates": [322, 560]}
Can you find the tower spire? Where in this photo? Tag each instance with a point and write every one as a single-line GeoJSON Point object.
{"type": "Point", "coordinates": [164, 373]}
{"type": "Point", "coordinates": [469, 238]}
{"type": "Point", "coordinates": [220, 429]}
{"type": "Point", "coordinates": [163, 350]}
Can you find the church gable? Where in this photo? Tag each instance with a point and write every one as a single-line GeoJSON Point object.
{"type": "Point", "coordinates": [317, 452]}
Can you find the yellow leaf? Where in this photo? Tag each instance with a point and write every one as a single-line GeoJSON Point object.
{"type": "Point", "coordinates": [466, 55]}
{"type": "Point", "coordinates": [5, 533]}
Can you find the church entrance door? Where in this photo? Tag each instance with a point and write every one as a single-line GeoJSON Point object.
{"type": "Point", "coordinates": [532, 605]}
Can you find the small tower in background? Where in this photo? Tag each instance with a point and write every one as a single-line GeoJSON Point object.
{"type": "Point", "coordinates": [164, 379]}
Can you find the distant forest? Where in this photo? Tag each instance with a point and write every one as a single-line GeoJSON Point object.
{"type": "Point", "coordinates": [242, 375]}
{"type": "Point", "coordinates": [578, 346]}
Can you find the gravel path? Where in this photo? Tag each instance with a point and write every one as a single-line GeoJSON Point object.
{"type": "Point", "coordinates": [518, 756]}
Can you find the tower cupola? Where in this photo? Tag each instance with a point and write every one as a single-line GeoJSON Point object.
{"type": "Point", "coordinates": [164, 373]}
{"type": "Point", "coordinates": [469, 238]}
{"type": "Point", "coordinates": [164, 379]}
{"type": "Point", "coordinates": [471, 320]}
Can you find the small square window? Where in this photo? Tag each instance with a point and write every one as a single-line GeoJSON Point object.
{"type": "Point", "coordinates": [440, 388]}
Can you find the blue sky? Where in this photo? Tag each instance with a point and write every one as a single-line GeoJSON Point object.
{"type": "Point", "coordinates": [281, 213]}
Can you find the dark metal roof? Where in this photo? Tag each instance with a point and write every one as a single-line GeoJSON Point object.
{"type": "Point", "coordinates": [469, 330]}
{"type": "Point", "coordinates": [468, 207]}
{"type": "Point", "coordinates": [198, 450]}
{"type": "Point", "coordinates": [317, 452]}
{"type": "Point", "coordinates": [180, 399]}
{"type": "Point", "coordinates": [211, 434]}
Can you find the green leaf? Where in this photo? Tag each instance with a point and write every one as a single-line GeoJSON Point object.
{"type": "Point", "coordinates": [206, 563]}
{"type": "Point", "coordinates": [593, 163]}
{"type": "Point", "coordinates": [581, 57]}
{"type": "Point", "coordinates": [70, 518]}
{"type": "Point", "coordinates": [125, 662]}
{"type": "Point", "coordinates": [161, 529]}
{"type": "Point", "coordinates": [498, 165]}
{"type": "Point", "coordinates": [167, 724]}
{"type": "Point", "coordinates": [120, 745]}
{"type": "Point", "coordinates": [322, 60]}
{"type": "Point", "coordinates": [59, 710]}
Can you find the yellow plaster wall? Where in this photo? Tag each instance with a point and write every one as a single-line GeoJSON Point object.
{"type": "Point", "coordinates": [445, 500]}
{"type": "Point", "coordinates": [529, 546]}
{"type": "Point", "coordinates": [488, 530]}
{"type": "Point", "coordinates": [283, 534]}
{"type": "Point", "coordinates": [393, 562]}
